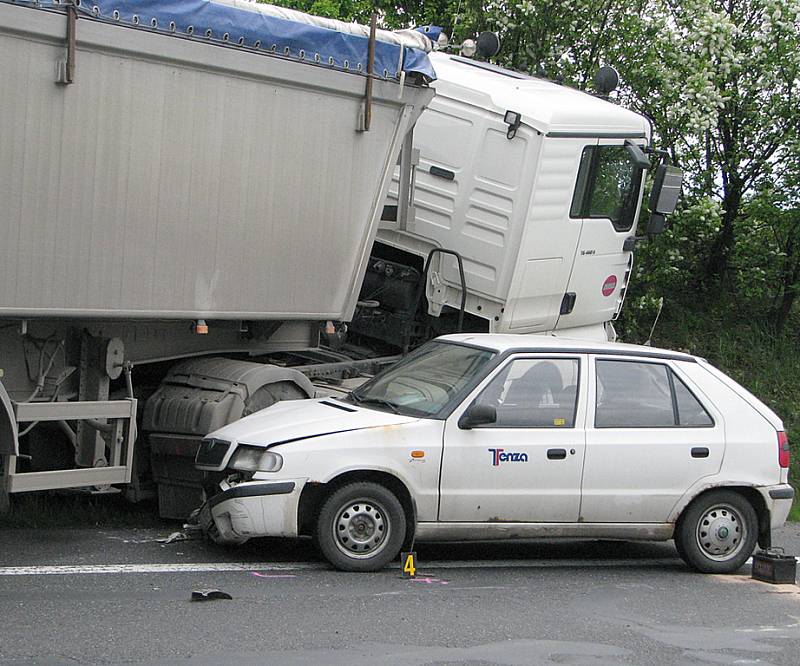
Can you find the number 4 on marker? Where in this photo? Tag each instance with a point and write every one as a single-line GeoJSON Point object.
{"type": "Point", "coordinates": [409, 564]}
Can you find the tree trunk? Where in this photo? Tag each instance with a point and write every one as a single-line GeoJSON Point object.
{"type": "Point", "coordinates": [722, 247]}
{"type": "Point", "coordinates": [789, 285]}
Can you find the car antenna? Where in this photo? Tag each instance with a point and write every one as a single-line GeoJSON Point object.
{"type": "Point", "coordinates": [649, 341]}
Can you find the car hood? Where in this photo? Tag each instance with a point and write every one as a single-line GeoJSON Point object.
{"type": "Point", "coordinates": [299, 419]}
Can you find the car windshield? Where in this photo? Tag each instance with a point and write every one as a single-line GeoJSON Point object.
{"type": "Point", "coordinates": [425, 381]}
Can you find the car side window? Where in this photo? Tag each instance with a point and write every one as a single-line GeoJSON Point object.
{"type": "Point", "coordinates": [690, 412]}
{"type": "Point", "coordinates": [632, 394]}
{"type": "Point", "coordinates": [534, 393]}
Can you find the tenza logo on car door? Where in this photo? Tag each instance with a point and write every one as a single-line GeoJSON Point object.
{"type": "Point", "coordinates": [501, 456]}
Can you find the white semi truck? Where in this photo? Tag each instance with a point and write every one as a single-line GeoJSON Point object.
{"type": "Point", "coordinates": [192, 192]}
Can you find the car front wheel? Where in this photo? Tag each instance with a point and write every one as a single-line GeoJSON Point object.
{"type": "Point", "coordinates": [361, 527]}
{"type": "Point", "coordinates": [718, 532]}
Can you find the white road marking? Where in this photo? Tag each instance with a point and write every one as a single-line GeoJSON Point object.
{"type": "Point", "coordinates": [70, 570]}
{"type": "Point", "coordinates": [222, 567]}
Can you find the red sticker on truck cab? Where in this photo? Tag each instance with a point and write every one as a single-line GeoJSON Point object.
{"type": "Point", "coordinates": [609, 285]}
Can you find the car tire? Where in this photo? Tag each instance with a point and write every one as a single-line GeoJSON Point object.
{"type": "Point", "coordinates": [679, 546]}
{"type": "Point", "coordinates": [361, 527]}
{"type": "Point", "coordinates": [718, 532]}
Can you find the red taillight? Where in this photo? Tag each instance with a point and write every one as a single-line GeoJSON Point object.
{"type": "Point", "coordinates": [783, 449]}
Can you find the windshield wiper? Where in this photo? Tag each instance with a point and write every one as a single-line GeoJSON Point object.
{"type": "Point", "coordinates": [375, 401]}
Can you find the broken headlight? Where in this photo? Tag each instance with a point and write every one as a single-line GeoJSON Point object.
{"type": "Point", "coordinates": [255, 459]}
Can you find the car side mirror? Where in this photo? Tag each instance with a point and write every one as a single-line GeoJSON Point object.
{"type": "Point", "coordinates": [477, 415]}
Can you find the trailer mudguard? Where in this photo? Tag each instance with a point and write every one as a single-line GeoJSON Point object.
{"type": "Point", "coordinates": [203, 394]}
{"type": "Point", "coordinates": [9, 443]}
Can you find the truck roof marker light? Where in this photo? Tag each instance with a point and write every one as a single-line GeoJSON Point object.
{"type": "Point", "coordinates": [200, 327]}
{"type": "Point", "coordinates": [784, 452]}
{"type": "Point", "coordinates": [468, 48]}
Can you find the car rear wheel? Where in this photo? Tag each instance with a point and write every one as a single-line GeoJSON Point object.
{"type": "Point", "coordinates": [718, 532]}
{"type": "Point", "coordinates": [361, 527]}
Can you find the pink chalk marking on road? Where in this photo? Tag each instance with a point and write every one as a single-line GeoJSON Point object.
{"type": "Point", "coordinates": [431, 581]}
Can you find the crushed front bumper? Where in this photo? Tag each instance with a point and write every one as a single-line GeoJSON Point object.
{"type": "Point", "coordinates": [252, 509]}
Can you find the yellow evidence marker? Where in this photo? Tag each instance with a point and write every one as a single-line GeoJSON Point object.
{"type": "Point", "coordinates": [408, 562]}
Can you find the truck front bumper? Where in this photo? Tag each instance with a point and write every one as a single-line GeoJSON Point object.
{"type": "Point", "coordinates": [252, 509]}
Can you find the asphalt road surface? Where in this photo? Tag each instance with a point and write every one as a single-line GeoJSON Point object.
{"type": "Point", "coordinates": [121, 596]}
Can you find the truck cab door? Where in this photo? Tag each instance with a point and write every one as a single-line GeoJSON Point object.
{"type": "Point", "coordinates": [606, 200]}
{"type": "Point", "coordinates": [551, 237]}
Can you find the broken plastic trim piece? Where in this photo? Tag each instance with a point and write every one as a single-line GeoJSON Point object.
{"type": "Point", "coordinates": [209, 594]}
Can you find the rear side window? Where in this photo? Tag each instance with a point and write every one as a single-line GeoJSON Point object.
{"type": "Point", "coordinates": [633, 394]}
{"type": "Point", "coordinates": [534, 393]}
{"type": "Point", "coordinates": [607, 187]}
{"type": "Point", "coordinates": [690, 412]}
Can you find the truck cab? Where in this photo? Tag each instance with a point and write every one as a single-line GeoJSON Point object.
{"type": "Point", "coordinates": [532, 184]}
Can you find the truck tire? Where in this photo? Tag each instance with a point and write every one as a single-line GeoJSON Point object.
{"type": "Point", "coordinates": [361, 527]}
{"type": "Point", "coordinates": [718, 532]}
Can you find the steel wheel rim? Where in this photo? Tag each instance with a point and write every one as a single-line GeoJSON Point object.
{"type": "Point", "coordinates": [721, 533]}
{"type": "Point", "coordinates": [361, 528]}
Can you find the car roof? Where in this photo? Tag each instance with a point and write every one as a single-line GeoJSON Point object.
{"type": "Point", "coordinates": [506, 342]}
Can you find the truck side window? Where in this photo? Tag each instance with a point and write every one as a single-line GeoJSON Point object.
{"type": "Point", "coordinates": [534, 393]}
{"type": "Point", "coordinates": [633, 394]}
{"type": "Point", "coordinates": [607, 187]}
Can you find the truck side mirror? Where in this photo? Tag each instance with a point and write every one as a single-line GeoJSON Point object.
{"type": "Point", "coordinates": [667, 183]}
{"type": "Point", "coordinates": [477, 415]}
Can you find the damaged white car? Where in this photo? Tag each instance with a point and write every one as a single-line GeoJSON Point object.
{"type": "Point", "coordinates": [481, 437]}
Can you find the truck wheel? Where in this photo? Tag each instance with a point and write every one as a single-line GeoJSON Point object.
{"type": "Point", "coordinates": [718, 532]}
{"type": "Point", "coordinates": [361, 527]}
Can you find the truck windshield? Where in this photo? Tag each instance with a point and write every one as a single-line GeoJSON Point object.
{"type": "Point", "coordinates": [425, 381]}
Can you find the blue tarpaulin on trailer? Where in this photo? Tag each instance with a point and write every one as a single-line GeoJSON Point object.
{"type": "Point", "coordinates": [265, 28]}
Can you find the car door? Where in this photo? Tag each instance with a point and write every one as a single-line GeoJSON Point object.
{"type": "Point", "coordinates": [650, 435]}
{"type": "Point", "coordinates": [526, 466]}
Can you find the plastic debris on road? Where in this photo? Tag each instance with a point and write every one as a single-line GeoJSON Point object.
{"type": "Point", "coordinates": [208, 595]}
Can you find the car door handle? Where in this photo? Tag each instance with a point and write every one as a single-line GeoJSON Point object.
{"type": "Point", "coordinates": [556, 454]}
{"type": "Point", "coordinates": [699, 452]}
